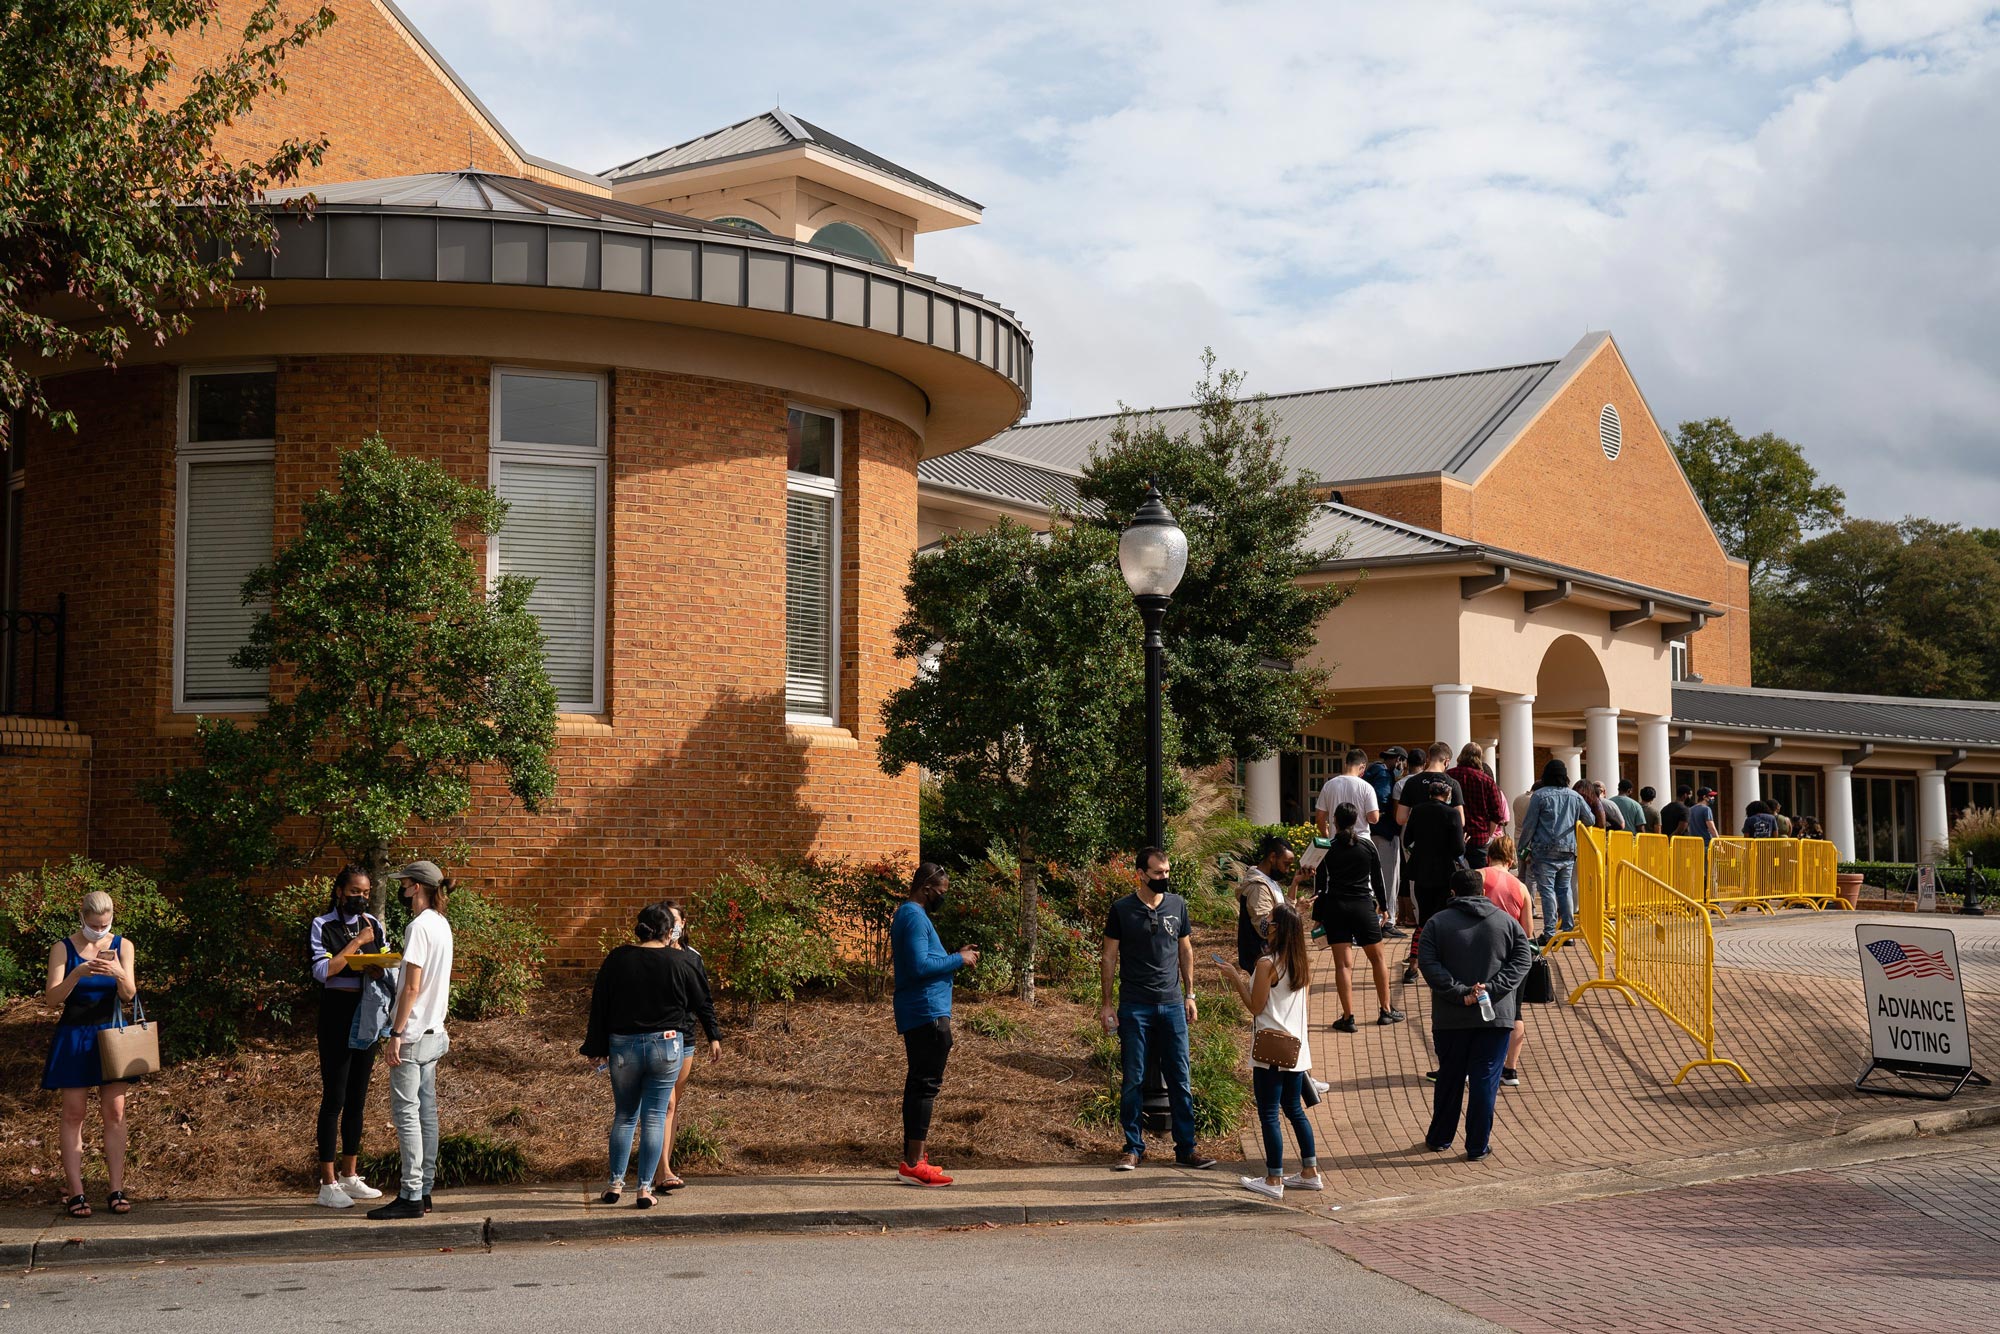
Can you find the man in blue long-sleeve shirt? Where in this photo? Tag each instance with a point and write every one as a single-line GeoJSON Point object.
{"type": "Point", "coordinates": [923, 1014]}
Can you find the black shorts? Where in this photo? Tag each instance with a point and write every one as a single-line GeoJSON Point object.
{"type": "Point", "coordinates": [1349, 919]}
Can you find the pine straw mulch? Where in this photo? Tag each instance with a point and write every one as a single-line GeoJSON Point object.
{"type": "Point", "coordinates": [814, 1089]}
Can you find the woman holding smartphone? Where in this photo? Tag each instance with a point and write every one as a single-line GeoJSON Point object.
{"type": "Point", "coordinates": [344, 930]}
{"type": "Point", "coordinates": [91, 973]}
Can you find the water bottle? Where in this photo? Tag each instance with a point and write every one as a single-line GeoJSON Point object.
{"type": "Point", "coordinates": [1486, 1007]}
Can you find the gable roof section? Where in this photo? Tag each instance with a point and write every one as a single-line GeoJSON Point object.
{"type": "Point", "coordinates": [986, 474]}
{"type": "Point", "coordinates": [464, 90]}
{"type": "Point", "coordinates": [1944, 722]}
{"type": "Point", "coordinates": [772, 131]}
{"type": "Point", "coordinates": [1369, 432]}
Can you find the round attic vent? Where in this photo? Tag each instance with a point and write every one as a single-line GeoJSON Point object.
{"type": "Point", "coordinates": [1609, 432]}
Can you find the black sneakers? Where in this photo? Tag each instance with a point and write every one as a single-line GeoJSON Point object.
{"type": "Point", "coordinates": [1388, 1017]}
{"type": "Point", "coordinates": [1510, 1076]}
{"type": "Point", "coordinates": [398, 1208]}
{"type": "Point", "coordinates": [1344, 1024]}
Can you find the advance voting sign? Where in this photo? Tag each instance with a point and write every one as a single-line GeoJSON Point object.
{"type": "Point", "coordinates": [1916, 1008]}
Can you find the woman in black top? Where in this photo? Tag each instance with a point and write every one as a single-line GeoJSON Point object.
{"type": "Point", "coordinates": [639, 1017]}
{"type": "Point", "coordinates": [1351, 905]}
{"type": "Point", "coordinates": [704, 1011]}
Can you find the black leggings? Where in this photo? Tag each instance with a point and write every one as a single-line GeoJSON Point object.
{"type": "Point", "coordinates": [928, 1046]}
{"type": "Point", "coordinates": [343, 1074]}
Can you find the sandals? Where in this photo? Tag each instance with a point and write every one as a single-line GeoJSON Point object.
{"type": "Point", "coordinates": [78, 1206]}
{"type": "Point", "coordinates": [645, 1200]}
{"type": "Point", "coordinates": [668, 1184]}
{"type": "Point", "coordinates": [119, 1204]}
{"type": "Point", "coordinates": [610, 1196]}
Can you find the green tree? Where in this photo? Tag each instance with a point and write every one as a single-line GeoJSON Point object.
{"type": "Point", "coordinates": [1886, 609]}
{"type": "Point", "coordinates": [1027, 708]}
{"type": "Point", "coordinates": [1241, 605]}
{"type": "Point", "coordinates": [1760, 493]}
{"type": "Point", "coordinates": [103, 141]}
{"type": "Point", "coordinates": [397, 673]}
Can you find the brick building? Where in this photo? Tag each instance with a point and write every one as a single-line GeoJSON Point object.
{"type": "Point", "coordinates": [703, 381]}
{"type": "Point", "coordinates": [1531, 570]}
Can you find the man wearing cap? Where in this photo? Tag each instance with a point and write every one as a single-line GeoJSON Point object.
{"type": "Point", "coordinates": [417, 1040]}
{"type": "Point", "coordinates": [1701, 815]}
{"type": "Point", "coordinates": [1382, 776]}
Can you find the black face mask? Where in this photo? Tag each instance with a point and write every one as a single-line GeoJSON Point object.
{"type": "Point", "coordinates": [1160, 883]}
{"type": "Point", "coordinates": [353, 907]}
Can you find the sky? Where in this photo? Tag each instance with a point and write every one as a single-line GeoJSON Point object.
{"type": "Point", "coordinates": [1787, 211]}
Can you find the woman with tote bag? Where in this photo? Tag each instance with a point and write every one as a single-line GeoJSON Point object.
{"type": "Point", "coordinates": [92, 974]}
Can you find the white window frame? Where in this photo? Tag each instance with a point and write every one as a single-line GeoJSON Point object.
{"type": "Point", "coordinates": [577, 456]}
{"type": "Point", "coordinates": [1677, 659]}
{"type": "Point", "coordinates": [829, 488]}
{"type": "Point", "coordinates": [185, 453]}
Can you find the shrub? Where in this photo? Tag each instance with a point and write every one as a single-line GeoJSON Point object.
{"type": "Point", "coordinates": [771, 929]}
{"type": "Point", "coordinates": [463, 1160]}
{"type": "Point", "coordinates": [1221, 1097]}
{"type": "Point", "coordinates": [1299, 836]}
{"type": "Point", "coordinates": [698, 1142]}
{"type": "Point", "coordinates": [991, 1023]}
{"type": "Point", "coordinates": [239, 959]}
{"type": "Point", "coordinates": [38, 908]}
{"type": "Point", "coordinates": [1977, 835]}
{"type": "Point", "coordinates": [866, 896]}
{"type": "Point", "coordinates": [497, 956]}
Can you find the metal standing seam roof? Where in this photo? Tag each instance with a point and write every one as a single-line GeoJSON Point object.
{"type": "Point", "coordinates": [770, 132]}
{"type": "Point", "coordinates": [1395, 428]}
{"type": "Point", "coordinates": [1005, 479]}
{"type": "Point", "coordinates": [1854, 717]}
{"type": "Point", "coordinates": [1371, 537]}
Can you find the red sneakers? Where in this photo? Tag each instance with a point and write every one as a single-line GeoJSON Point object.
{"type": "Point", "coordinates": [923, 1174]}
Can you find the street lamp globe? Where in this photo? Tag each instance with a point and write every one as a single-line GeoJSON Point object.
{"type": "Point", "coordinates": [1152, 551]}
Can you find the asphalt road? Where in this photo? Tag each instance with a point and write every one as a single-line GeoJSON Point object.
{"type": "Point", "coordinates": [1162, 1278]}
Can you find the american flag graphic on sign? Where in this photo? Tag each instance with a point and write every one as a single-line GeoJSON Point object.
{"type": "Point", "coordinates": [1908, 961]}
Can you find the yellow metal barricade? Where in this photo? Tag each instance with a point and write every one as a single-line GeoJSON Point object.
{"type": "Point", "coordinates": [1687, 855]}
{"type": "Point", "coordinates": [1596, 910]}
{"type": "Point", "coordinates": [1737, 875]}
{"type": "Point", "coordinates": [1819, 862]}
{"type": "Point", "coordinates": [1664, 952]}
{"type": "Point", "coordinates": [1653, 854]}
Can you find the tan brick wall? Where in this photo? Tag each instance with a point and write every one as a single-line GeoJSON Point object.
{"type": "Point", "coordinates": [1419, 502]}
{"type": "Point", "coordinates": [367, 86]}
{"type": "Point", "coordinates": [1555, 495]}
{"type": "Point", "coordinates": [692, 767]}
{"type": "Point", "coordinates": [44, 794]}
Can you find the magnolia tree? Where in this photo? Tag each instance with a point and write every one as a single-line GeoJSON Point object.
{"type": "Point", "coordinates": [103, 140]}
{"type": "Point", "coordinates": [398, 672]}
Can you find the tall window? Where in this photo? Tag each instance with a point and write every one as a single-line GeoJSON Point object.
{"type": "Point", "coordinates": [13, 491]}
{"type": "Point", "coordinates": [1678, 653]}
{"type": "Point", "coordinates": [549, 466]}
{"type": "Point", "coordinates": [1797, 793]}
{"type": "Point", "coordinates": [1885, 819]}
{"type": "Point", "coordinates": [222, 532]}
{"type": "Point", "coordinates": [812, 566]}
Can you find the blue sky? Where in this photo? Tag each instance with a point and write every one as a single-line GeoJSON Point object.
{"type": "Point", "coordinates": [1788, 212]}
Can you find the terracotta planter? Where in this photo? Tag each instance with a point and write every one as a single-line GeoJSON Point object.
{"type": "Point", "coordinates": [1848, 885]}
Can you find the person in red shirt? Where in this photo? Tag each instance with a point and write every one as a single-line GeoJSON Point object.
{"type": "Point", "coordinates": [1506, 890]}
{"type": "Point", "coordinates": [1485, 808]}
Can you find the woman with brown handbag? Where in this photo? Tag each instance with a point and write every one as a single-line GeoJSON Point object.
{"type": "Point", "coordinates": [1277, 992]}
{"type": "Point", "coordinates": [91, 974]}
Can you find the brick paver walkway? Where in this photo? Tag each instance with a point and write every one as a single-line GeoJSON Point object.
{"type": "Point", "coordinates": [1816, 1251]}
{"type": "Point", "coordinates": [1597, 1088]}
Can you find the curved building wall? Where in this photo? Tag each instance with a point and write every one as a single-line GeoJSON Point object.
{"type": "Point", "coordinates": [691, 764]}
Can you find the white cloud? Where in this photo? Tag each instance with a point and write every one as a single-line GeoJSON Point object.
{"type": "Point", "coordinates": [1783, 209]}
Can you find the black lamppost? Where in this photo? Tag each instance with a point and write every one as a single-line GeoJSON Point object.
{"type": "Point", "coordinates": [1152, 555]}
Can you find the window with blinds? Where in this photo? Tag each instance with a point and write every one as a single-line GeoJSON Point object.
{"type": "Point", "coordinates": [223, 533]}
{"type": "Point", "coordinates": [549, 466]}
{"type": "Point", "coordinates": [812, 566]}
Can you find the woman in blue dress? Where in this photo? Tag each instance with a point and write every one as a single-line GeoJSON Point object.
{"type": "Point", "coordinates": [91, 973]}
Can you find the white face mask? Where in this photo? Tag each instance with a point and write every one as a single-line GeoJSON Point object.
{"type": "Point", "coordinates": [93, 933]}
{"type": "Point", "coordinates": [674, 934]}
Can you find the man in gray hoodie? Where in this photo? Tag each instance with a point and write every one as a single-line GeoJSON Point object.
{"type": "Point", "coordinates": [1470, 951]}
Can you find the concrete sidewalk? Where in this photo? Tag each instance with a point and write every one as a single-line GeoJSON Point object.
{"type": "Point", "coordinates": [478, 1218]}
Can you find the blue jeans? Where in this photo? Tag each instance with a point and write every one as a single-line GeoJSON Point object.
{"type": "Point", "coordinates": [413, 1106]}
{"type": "Point", "coordinates": [644, 1069]}
{"type": "Point", "coordinates": [1275, 1087]}
{"type": "Point", "coordinates": [1139, 1027]}
{"type": "Point", "coordinates": [1555, 886]}
{"type": "Point", "coordinates": [1467, 1058]}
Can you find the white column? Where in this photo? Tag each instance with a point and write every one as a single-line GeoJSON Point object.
{"type": "Point", "coordinates": [1747, 777]}
{"type": "Point", "coordinates": [1600, 739]}
{"type": "Point", "coordinates": [1931, 827]}
{"type": "Point", "coordinates": [1489, 751]}
{"type": "Point", "coordinates": [1655, 762]}
{"type": "Point", "coordinates": [1572, 758]}
{"type": "Point", "coordinates": [1516, 770]}
{"type": "Point", "coordinates": [1261, 790]}
{"type": "Point", "coordinates": [1454, 716]}
{"type": "Point", "coordinates": [1840, 809]}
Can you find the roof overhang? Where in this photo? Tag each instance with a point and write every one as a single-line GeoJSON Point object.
{"type": "Point", "coordinates": [1538, 584]}
{"type": "Point", "coordinates": [933, 211]}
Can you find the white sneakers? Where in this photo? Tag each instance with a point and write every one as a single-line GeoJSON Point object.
{"type": "Point", "coordinates": [357, 1189]}
{"type": "Point", "coordinates": [344, 1192]}
{"type": "Point", "coordinates": [1323, 1087]}
{"type": "Point", "coordinates": [1297, 1182]}
{"type": "Point", "coordinates": [1259, 1186]}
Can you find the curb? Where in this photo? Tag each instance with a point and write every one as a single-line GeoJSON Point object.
{"type": "Point", "coordinates": [488, 1233]}
{"type": "Point", "coordinates": [1891, 1128]}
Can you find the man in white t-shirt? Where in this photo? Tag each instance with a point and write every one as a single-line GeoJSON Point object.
{"type": "Point", "coordinates": [1349, 787]}
{"type": "Point", "coordinates": [417, 1040]}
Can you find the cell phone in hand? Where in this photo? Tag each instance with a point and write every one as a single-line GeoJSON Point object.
{"type": "Point", "coordinates": [1220, 962]}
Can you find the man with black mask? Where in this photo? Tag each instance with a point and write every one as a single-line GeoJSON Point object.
{"type": "Point", "coordinates": [1149, 950]}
